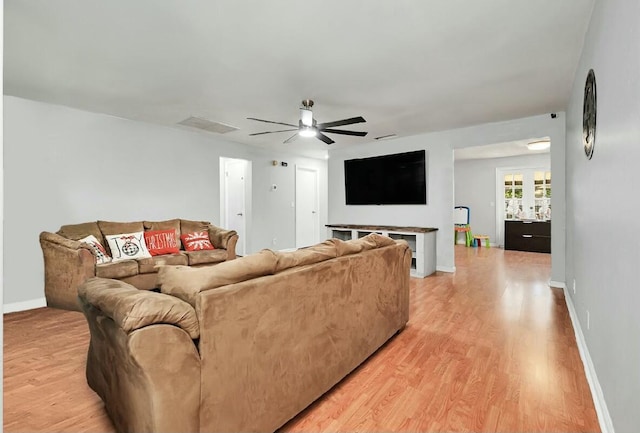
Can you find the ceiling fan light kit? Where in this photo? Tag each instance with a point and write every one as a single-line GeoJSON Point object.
{"type": "Point", "coordinates": [539, 145]}
{"type": "Point", "coordinates": [308, 126]}
{"type": "Point", "coordinates": [307, 131]}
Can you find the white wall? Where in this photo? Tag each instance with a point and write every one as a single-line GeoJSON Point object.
{"type": "Point", "coordinates": [475, 187]}
{"type": "Point", "coordinates": [603, 207]}
{"type": "Point", "coordinates": [438, 212]}
{"type": "Point", "coordinates": [65, 166]}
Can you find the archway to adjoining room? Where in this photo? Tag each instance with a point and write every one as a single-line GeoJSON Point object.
{"type": "Point", "coordinates": [506, 184]}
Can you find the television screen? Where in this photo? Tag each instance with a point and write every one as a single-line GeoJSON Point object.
{"type": "Point", "coordinates": [400, 178]}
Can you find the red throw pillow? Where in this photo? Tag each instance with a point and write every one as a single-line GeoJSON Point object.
{"type": "Point", "coordinates": [196, 241]}
{"type": "Point", "coordinates": [161, 242]}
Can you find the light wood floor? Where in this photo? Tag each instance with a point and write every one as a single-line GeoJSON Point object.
{"type": "Point", "coordinates": [489, 348]}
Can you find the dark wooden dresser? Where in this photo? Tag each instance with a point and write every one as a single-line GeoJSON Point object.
{"type": "Point", "coordinates": [534, 236]}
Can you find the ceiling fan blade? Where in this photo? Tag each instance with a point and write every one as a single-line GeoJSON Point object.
{"type": "Point", "coordinates": [339, 131]}
{"type": "Point", "coordinates": [342, 122]}
{"type": "Point", "coordinates": [321, 136]}
{"type": "Point", "coordinates": [272, 132]}
{"type": "Point", "coordinates": [270, 121]}
{"type": "Point", "coordinates": [290, 139]}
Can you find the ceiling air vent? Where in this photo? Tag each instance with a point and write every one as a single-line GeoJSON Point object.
{"type": "Point", "coordinates": [385, 137]}
{"type": "Point", "coordinates": [207, 125]}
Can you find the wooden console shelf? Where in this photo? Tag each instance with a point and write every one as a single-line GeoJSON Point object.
{"type": "Point", "coordinates": [421, 240]}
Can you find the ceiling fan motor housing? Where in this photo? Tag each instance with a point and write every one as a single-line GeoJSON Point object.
{"type": "Point", "coordinates": [306, 117]}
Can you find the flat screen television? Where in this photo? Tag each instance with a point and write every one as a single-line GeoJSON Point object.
{"type": "Point", "coordinates": [400, 178]}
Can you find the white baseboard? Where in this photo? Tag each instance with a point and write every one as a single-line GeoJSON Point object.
{"type": "Point", "coordinates": [449, 269]}
{"type": "Point", "coordinates": [24, 305]}
{"type": "Point", "coordinates": [604, 418]}
{"type": "Point", "coordinates": [557, 284]}
{"type": "Point", "coordinates": [491, 244]}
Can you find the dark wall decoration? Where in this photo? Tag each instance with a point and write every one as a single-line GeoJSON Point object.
{"type": "Point", "coordinates": [589, 114]}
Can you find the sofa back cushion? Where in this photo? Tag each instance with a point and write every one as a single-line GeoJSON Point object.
{"type": "Point", "coordinates": [189, 226]}
{"type": "Point", "coordinates": [369, 242]}
{"type": "Point", "coordinates": [306, 256]}
{"type": "Point", "coordinates": [186, 282]}
{"type": "Point", "coordinates": [118, 228]}
{"type": "Point", "coordinates": [173, 224]}
{"type": "Point", "coordinates": [80, 231]}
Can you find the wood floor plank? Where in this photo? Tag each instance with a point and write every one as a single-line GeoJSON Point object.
{"type": "Point", "coordinates": [489, 348]}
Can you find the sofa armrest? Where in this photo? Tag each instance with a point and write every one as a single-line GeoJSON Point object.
{"type": "Point", "coordinates": [148, 377]}
{"type": "Point", "coordinates": [225, 239]}
{"type": "Point", "coordinates": [67, 264]}
{"type": "Point", "coordinates": [132, 309]}
{"type": "Point", "coordinates": [62, 241]}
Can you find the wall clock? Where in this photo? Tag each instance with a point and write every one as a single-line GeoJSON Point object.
{"type": "Point", "coordinates": [589, 114]}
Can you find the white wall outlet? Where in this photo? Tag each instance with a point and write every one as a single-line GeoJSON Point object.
{"type": "Point", "coordinates": [274, 241]}
{"type": "Point", "coordinates": [588, 321]}
{"type": "Point", "coordinates": [574, 286]}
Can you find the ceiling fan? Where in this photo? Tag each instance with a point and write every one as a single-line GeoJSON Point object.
{"type": "Point", "coordinates": [308, 127]}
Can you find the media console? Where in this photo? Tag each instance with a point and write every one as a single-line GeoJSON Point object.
{"type": "Point", "coordinates": [421, 240]}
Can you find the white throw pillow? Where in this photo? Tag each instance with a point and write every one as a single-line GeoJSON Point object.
{"type": "Point", "coordinates": [128, 246]}
{"type": "Point", "coordinates": [98, 249]}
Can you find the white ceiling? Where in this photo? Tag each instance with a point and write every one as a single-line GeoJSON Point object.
{"type": "Point", "coordinates": [406, 66]}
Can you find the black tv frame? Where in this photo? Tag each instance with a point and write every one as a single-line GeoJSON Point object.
{"type": "Point", "coordinates": [393, 179]}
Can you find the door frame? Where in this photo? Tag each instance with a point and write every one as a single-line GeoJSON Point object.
{"type": "Point", "coordinates": [242, 240]}
{"type": "Point", "coordinates": [500, 172]}
{"type": "Point", "coordinates": [317, 202]}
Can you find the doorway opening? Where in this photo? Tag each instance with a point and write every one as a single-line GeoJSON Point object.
{"type": "Point", "coordinates": [235, 199]}
{"type": "Point", "coordinates": [522, 194]}
{"type": "Point", "coordinates": [307, 207]}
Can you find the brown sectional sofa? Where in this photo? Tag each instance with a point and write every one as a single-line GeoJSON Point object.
{"type": "Point", "coordinates": [247, 344]}
{"type": "Point", "coordinates": [68, 263]}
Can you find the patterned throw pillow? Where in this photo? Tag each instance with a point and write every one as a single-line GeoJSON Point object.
{"type": "Point", "coordinates": [128, 246]}
{"type": "Point", "coordinates": [161, 242]}
{"type": "Point", "coordinates": [196, 241]}
{"type": "Point", "coordinates": [98, 250]}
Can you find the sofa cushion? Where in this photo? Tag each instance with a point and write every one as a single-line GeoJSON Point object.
{"type": "Point", "coordinates": [114, 228]}
{"type": "Point", "coordinates": [206, 256]}
{"type": "Point", "coordinates": [189, 226]}
{"type": "Point", "coordinates": [121, 269]}
{"type": "Point", "coordinates": [196, 241]}
{"type": "Point", "coordinates": [161, 242]}
{"type": "Point", "coordinates": [148, 265]}
{"type": "Point", "coordinates": [369, 242]}
{"type": "Point", "coordinates": [133, 309]}
{"type": "Point", "coordinates": [98, 250]}
{"type": "Point", "coordinates": [186, 282]}
{"type": "Point", "coordinates": [306, 256]}
{"type": "Point", "coordinates": [78, 231]}
{"type": "Point", "coordinates": [165, 225]}
{"type": "Point", "coordinates": [126, 246]}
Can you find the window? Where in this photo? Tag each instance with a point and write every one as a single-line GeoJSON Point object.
{"type": "Point", "coordinates": [542, 194]}
{"type": "Point", "coordinates": [527, 194]}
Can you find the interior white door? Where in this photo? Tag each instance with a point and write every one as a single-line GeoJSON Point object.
{"type": "Point", "coordinates": [307, 204]}
{"type": "Point", "coordinates": [235, 200]}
